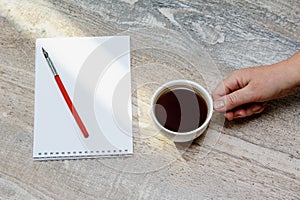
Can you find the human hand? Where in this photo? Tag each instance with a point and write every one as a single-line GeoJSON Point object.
{"type": "Point", "coordinates": [246, 91]}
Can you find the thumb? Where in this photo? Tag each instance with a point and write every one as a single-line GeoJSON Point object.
{"type": "Point", "coordinates": [232, 100]}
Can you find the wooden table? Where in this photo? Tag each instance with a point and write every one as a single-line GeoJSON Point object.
{"type": "Point", "coordinates": [203, 41]}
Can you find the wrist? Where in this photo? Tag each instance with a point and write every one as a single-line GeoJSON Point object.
{"type": "Point", "coordinates": [293, 66]}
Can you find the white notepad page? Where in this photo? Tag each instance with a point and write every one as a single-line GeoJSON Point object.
{"type": "Point", "coordinates": [96, 74]}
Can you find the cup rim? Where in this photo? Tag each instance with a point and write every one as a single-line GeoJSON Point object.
{"type": "Point", "coordinates": [203, 92]}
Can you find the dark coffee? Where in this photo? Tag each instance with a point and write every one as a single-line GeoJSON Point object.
{"type": "Point", "coordinates": [180, 109]}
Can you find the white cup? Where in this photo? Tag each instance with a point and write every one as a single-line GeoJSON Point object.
{"type": "Point", "coordinates": [182, 136]}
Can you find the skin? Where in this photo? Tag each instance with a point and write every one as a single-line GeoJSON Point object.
{"type": "Point", "coordinates": [245, 92]}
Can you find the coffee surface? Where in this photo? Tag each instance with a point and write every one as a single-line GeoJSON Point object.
{"type": "Point", "coordinates": [181, 110]}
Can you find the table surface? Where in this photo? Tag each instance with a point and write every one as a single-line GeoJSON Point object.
{"type": "Point", "coordinates": [255, 158]}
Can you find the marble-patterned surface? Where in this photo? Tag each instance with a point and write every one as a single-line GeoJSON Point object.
{"type": "Point", "coordinates": [203, 41]}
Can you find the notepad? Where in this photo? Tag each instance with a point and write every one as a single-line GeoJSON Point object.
{"type": "Point", "coordinates": [96, 74]}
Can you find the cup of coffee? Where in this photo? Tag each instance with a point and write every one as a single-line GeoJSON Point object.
{"type": "Point", "coordinates": [182, 109]}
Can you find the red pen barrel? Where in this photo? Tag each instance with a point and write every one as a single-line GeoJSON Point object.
{"type": "Point", "coordinates": [71, 106]}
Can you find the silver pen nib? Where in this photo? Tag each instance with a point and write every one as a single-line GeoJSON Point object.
{"type": "Point", "coordinates": [49, 62]}
{"type": "Point", "coordinates": [45, 53]}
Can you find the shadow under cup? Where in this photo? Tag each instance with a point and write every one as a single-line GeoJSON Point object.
{"type": "Point", "coordinates": [182, 109]}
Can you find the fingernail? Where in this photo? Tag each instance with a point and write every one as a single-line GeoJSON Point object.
{"type": "Point", "coordinates": [219, 104]}
{"type": "Point", "coordinates": [256, 108]}
{"type": "Point", "coordinates": [238, 116]}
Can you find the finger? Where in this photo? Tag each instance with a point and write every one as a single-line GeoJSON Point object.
{"type": "Point", "coordinates": [229, 115]}
{"type": "Point", "coordinates": [254, 108]}
{"type": "Point", "coordinates": [239, 113]}
{"type": "Point", "coordinates": [245, 110]}
{"type": "Point", "coordinates": [220, 91]}
{"type": "Point", "coordinates": [228, 85]}
{"type": "Point", "coordinates": [233, 100]}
